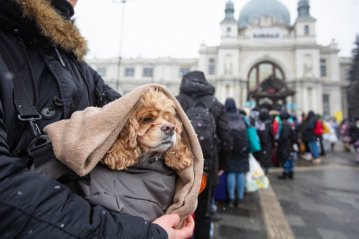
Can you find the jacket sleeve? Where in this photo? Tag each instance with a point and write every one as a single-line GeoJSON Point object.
{"type": "Point", "coordinates": [183, 100]}
{"type": "Point", "coordinates": [35, 205]}
{"type": "Point", "coordinates": [103, 92]}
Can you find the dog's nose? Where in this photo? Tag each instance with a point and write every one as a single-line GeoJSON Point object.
{"type": "Point", "coordinates": [168, 129]}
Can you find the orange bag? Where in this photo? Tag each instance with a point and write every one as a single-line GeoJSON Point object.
{"type": "Point", "coordinates": [203, 183]}
{"type": "Point", "coordinates": [302, 147]}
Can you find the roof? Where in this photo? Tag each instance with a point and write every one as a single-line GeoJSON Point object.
{"type": "Point", "coordinates": [259, 8]}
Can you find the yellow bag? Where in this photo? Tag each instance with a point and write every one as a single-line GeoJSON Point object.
{"type": "Point", "coordinates": [326, 129]}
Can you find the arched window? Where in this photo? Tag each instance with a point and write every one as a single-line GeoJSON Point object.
{"type": "Point", "coordinates": [306, 30]}
{"type": "Point", "coordinates": [262, 71]}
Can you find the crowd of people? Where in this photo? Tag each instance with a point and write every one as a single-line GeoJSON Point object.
{"type": "Point", "coordinates": [283, 138]}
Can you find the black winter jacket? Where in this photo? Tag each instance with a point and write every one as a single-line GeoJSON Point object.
{"type": "Point", "coordinates": [195, 86]}
{"type": "Point", "coordinates": [308, 128]}
{"type": "Point", "coordinates": [58, 82]}
{"type": "Point", "coordinates": [285, 142]}
{"type": "Point", "coordinates": [353, 133]}
{"type": "Point", "coordinates": [239, 160]}
{"type": "Point", "coordinates": [265, 133]}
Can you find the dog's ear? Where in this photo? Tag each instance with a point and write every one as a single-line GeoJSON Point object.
{"type": "Point", "coordinates": [125, 151]}
{"type": "Point", "coordinates": [179, 156]}
{"type": "Point", "coordinates": [131, 131]}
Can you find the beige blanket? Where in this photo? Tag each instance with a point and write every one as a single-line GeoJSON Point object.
{"type": "Point", "coordinates": [81, 141]}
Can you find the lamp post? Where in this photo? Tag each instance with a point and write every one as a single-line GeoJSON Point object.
{"type": "Point", "coordinates": [122, 23]}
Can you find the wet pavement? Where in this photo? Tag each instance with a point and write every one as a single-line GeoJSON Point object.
{"type": "Point", "coordinates": [321, 202]}
{"type": "Point", "coordinates": [243, 221]}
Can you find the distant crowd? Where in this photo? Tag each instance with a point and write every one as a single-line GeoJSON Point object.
{"type": "Point", "coordinates": [231, 139]}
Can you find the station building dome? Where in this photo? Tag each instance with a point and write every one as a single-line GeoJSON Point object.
{"type": "Point", "coordinates": [255, 9]}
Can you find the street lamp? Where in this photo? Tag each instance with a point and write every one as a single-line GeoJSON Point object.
{"type": "Point", "coordinates": [122, 23]}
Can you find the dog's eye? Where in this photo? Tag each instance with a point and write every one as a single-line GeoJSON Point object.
{"type": "Point", "coordinates": [147, 119]}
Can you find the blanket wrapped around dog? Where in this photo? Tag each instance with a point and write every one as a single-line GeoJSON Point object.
{"type": "Point", "coordinates": [81, 141]}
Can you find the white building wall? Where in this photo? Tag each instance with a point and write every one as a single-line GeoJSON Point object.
{"type": "Point", "coordinates": [296, 53]}
{"type": "Point", "coordinates": [307, 63]}
{"type": "Point", "coordinates": [334, 68]}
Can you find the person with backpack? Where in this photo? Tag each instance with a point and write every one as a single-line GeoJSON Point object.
{"type": "Point", "coordinates": [210, 123]}
{"type": "Point", "coordinates": [265, 132]}
{"type": "Point", "coordinates": [286, 153]}
{"type": "Point", "coordinates": [309, 136]}
{"type": "Point", "coordinates": [238, 164]}
{"type": "Point", "coordinates": [44, 79]}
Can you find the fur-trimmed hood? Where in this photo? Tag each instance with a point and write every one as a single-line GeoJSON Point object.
{"type": "Point", "coordinates": [81, 141]}
{"type": "Point", "coordinates": [47, 19]}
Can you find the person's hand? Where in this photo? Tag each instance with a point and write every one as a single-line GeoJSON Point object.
{"type": "Point", "coordinates": [220, 172]}
{"type": "Point", "coordinates": [170, 222]}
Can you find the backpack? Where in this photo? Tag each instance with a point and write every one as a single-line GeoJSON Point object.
{"type": "Point", "coordinates": [318, 129]}
{"type": "Point", "coordinates": [238, 128]}
{"type": "Point", "coordinates": [204, 125]}
{"type": "Point", "coordinates": [263, 133]}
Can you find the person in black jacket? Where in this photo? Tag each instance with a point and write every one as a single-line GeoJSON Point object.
{"type": "Point", "coordinates": [309, 136]}
{"type": "Point", "coordinates": [195, 87]}
{"type": "Point", "coordinates": [41, 53]}
{"type": "Point", "coordinates": [265, 133]}
{"type": "Point", "coordinates": [238, 164]}
{"type": "Point", "coordinates": [287, 138]}
{"type": "Point", "coordinates": [354, 136]}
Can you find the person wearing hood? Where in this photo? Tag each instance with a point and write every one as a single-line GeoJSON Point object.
{"type": "Point", "coordinates": [195, 88]}
{"type": "Point", "coordinates": [44, 79]}
{"type": "Point", "coordinates": [309, 136]}
{"type": "Point", "coordinates": [238, 164]}
{"type": "Point", "coordinates": [265, 132]}
{"type": "Point", "coordinates": [285, 152]}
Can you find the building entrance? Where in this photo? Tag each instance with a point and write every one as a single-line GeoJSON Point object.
{"type": "Point", "coordinates": [271, 93]}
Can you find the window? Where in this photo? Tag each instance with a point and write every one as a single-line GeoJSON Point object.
{"type": "Point", "coordinates": [228, 29]}
{"type": "Point", "coordinates": [265, 70]}
{"type": "Point", "coordinates": [306, 30]}
{"type": "Point", "coordinates": [183, 71]}
{"type": "Point", "coordinates": [147, 72]}
{"type": "Point", "coordinates": [129, 71]}
{"type": "Point", "coordinates": [211, 66]}
{"type": "Point", "coordinates": [323, 68]}
{"type": "Point", "coordinates": [326, 105]}
{"type": "Point", "coordinates": [262, 71]}
{"type": "Point", "coordinates": [101, 71]}
{"type": "Point", "coordinates": [347, 74]}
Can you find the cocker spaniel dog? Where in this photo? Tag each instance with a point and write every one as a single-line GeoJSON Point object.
{"type": "Point", "coordinates": [153, 129]}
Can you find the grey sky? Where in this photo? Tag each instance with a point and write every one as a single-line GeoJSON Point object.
{"type": "Point", "coordinates": [176, 28]}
